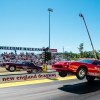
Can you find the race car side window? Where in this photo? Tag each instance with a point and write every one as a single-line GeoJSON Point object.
{"type": "Point", "coordinates": [96, 62]}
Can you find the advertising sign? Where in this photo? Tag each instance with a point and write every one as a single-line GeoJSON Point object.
{"type": "Point", "coordinates": [25, 77]}
{"type": "Point", "coordinates": [53, 50]}
{"type": "Point", "coordinates": [19, 48]}
{"type": "Point", "coordinates": [24, 48]}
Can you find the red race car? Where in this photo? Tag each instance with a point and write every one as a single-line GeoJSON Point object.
{"type": "Point", "coordinates": [32, 68]}
{"type": "Point", "coordinates": [24, 65]}
{"type": "Point", "coordinates": [89, 68]}
{"type": "Point", "coordinates": [13, 66]}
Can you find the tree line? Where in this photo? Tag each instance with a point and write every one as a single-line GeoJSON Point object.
{"type": "Point", "coordinates": [81, 54]}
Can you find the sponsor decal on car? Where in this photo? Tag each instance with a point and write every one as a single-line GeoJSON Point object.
{"type": "Point", "coordinates": [97, 68]}
{"type": "Point", "coordinates": [91, 73]}
{"type": "Point", "coordinates": [94, 73]}
{"type": "Point", "coordinates": [25, 67]}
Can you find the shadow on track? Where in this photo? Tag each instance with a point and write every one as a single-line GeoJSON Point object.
{"type": "Point", "coordinates": [82, 88]}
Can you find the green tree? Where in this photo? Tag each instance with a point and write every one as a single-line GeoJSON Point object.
{"type": "Point", "coordinates": [81, 49]}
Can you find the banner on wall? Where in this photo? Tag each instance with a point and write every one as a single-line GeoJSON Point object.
{"type": "Point", "coordinates": [26, 77]}
{"type": "Point", "coordinates": [24, 48]}
{"type": "Point", "coordinates": [19, 48]}
{"type": "Point", "coordinates": [53, 50]}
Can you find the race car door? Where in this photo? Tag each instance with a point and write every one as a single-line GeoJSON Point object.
{"type": "Point", "coordinates": [96, 66]}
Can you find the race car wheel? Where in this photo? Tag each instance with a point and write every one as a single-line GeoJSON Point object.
{"type": "Point", "coordinates": [62, 74]}
{"type": "Point", "coordinates": [29, 72]}
{"type": "Point", "coordinates": [35, 71]}
{"type": "Point", "coordinates": [7, 69]}
{"type": "Point", "coordinates": [12, 68]}
{"type": "Point", "coordinates": [81, 73]}
{"type": "Point", "coordinates": [90, 79]}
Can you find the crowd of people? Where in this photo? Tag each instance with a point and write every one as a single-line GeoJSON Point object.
{"type": "Point", "coordinates": [35, 58]}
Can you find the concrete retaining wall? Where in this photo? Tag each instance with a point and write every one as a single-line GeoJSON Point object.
{"type": "Point", "coordinates": [24, 77]}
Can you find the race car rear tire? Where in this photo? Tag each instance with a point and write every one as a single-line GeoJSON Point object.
{"type": "Point", "coordinates": [90, 79]}
{"type": "Point", "coordinates": [7, 69]}
{"type": "Point", "coordinates": [12, 68]}
{"type": "Point", "coordinates": [29, 72]}
{"type": "Point", "coordinates": [35, 71]}
{"type": "Point", "coordinates": [81, 73]}
{"type": "Point", "coordinates": [62, 73]}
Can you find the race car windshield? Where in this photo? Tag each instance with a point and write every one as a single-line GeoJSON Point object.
{"type": "Point", "coordinates": [26, 63]}
{"type": "Point", "coordinates": [20, 62]}
{"type": "Point", "coordinates": [86, 60]}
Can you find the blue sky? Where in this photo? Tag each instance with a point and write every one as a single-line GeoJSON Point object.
{"type": "Point", "coordinates": [25, 23]}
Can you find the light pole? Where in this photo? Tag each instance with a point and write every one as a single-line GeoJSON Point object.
{"type": "Point", "coordinates": [88, 35]}
{"type": "Point", "coordinates": [50, 10]}
{"type": "Point", "coordinates": [63, 51]}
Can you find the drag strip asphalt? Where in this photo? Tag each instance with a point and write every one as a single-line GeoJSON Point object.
{"type": "Point", "coordinates": [69, 89]}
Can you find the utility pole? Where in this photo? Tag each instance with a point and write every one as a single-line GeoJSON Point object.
{"type": "Point", "coordinates": [88, 35]}
{"type": "Point", "coordinates": [63, 52]}
{"type": "Point", "coordinates": [50, 10]}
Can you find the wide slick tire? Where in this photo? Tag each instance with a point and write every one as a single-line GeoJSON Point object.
{"type": "Point", "coordinates": [81, 73]}
{"type": "Point", "coordinates": [35, 71]}
{"type": "Point", "coordinates": [7, 69]}
{"type": "Point", "coordinates": [62, 73]}
{"type": "Point", "coordinates": [30, 71]}
{"type": "Point", "coordinates": [12, 68]}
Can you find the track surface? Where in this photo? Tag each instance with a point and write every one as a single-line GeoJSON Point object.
{"type": "Point", "coordinates": [72, 89]}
